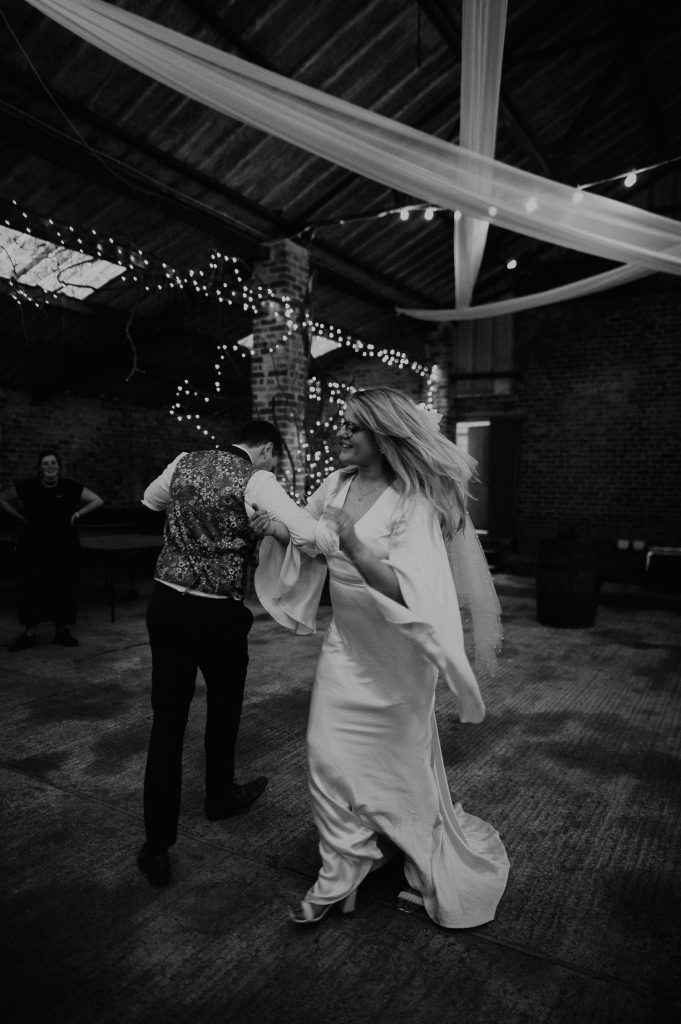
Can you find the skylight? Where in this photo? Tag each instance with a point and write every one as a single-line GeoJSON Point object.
{"type": "Point", "coordinates": [35, 263]}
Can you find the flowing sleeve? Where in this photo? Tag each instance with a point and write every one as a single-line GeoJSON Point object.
{"type": "Point", "coordinates": [289, 580]}
{"type": "Point", "coordinates": [264, 491]}
{"type": "Point", "coordinates": [430, 614]}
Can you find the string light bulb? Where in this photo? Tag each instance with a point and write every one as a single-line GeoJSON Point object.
{"type": "Point", "coordinates": [632, 176]}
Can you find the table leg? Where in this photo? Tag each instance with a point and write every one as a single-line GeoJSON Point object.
{"type": "Point", "coordinates": [109, 577]}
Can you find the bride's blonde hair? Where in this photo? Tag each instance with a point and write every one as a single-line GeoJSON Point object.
{"type": "Point", "coordinates": [422, 459]}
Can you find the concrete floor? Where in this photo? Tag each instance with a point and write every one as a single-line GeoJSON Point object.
{"type": "Point", "coordinates": [577, 764]}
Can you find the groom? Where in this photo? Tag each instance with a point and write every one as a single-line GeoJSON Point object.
{"type": "Point", "coordinates": [197, 620]}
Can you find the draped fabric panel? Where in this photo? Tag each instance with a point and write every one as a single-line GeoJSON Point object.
{"type": "Point", "coordinates": [393, 154]}
{"type": "Point", "coordinates": [484, 28]}
{"type": "Point", "coordinates": [575, 290]}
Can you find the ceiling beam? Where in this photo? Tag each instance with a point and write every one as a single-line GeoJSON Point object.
{"type": "Point", "coordinates": [47, 143]}
{"type": "Point", "coordinates": [206, 11]}
{"type": "Point", "coordinates": [250, 243]}
{"type": "Point", "coordinates": [346, 182]}
{"type": "Point", "coordinates": [163, 159]}
{"type": "Point", "coordinates": [545, 54]}
{"type": "Point", "coordinates": [568, 142]}
{"type": "Point", "coordinates": [53, 147]}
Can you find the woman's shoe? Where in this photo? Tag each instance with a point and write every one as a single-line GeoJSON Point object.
{"type": "Point", "coordinates": [312, 913]}
{"type": "Point", "coordinates": [410, 901]}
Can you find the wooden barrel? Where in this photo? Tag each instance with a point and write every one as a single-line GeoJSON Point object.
{"type": "Point", "coordinates": [567, 582]}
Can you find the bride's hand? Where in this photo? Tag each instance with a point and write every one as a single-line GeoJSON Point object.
{"type": "Point", "coordinates": [344, 527]}
{"type": "Point", "coordinates": [261, 522]}
{"type": "Point", "coordinates": [264, 524]}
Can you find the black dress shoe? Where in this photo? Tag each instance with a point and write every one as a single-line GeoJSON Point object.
{"type": "Point", "coordinates": [238, 799]}
{"type": "Point", "coordinates": [156, 866]}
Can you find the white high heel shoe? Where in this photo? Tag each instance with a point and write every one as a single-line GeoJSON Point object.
{"type": "Point", "coordinates": [410, 901]}
{"type": "Point", "coordinates": [313, 913]}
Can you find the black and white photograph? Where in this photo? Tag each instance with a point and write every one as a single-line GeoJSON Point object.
{"type": "Point", "coordinates": [340, 512]}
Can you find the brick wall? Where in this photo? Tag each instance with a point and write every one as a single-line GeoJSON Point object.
{"type": "Point", "coordinates": [596, 397]}
{"type": "Point", "coordinates": [595, 407]}
{"type": "Point", "coordinates": [112, 448]}
{"type": "Point", "coordinates": [599, 397]}
{"type": "Point", "coordinates": [348, 368]}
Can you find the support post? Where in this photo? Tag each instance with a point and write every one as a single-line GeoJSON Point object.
{"type": "Point", "coordinates": [280, 358]}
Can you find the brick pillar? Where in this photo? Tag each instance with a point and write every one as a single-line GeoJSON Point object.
{"type": "Point", "coordinates": [439, 353]}
{"type": "Point", "coordinates": [280, 361]}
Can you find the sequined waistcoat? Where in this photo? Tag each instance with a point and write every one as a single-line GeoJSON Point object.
{"type": "Point", "coordinates": [207, 540]}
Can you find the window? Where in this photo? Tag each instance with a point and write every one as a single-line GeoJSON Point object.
{"type": "Point", "coordinates": [472, 436]}
{"type": "Point", "coordinates": [35, 263]}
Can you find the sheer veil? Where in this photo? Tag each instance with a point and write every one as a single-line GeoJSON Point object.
{"type": "Point", "coordinates": [473, 581]}
{"type": "Point", "coordinates": [477, 596]}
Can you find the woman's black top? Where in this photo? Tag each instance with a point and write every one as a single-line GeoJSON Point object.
{"type": "Point", "coordinates": [48, 510]}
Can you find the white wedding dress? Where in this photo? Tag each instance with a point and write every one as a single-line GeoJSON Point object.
{"type": "Point", "coordinates": [376, 774]}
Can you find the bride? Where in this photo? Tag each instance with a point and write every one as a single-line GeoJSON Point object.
{"type": "Point", "coordinates": [402, 554]}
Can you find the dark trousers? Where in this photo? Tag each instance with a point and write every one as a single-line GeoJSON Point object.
{"type": "Point", "coordinates": [187, 633]}
{"type": "Point", "coordinates": [48, 578]}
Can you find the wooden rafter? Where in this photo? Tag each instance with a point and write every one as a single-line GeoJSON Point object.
{"type": "Point", "coordinates": [46, 142]}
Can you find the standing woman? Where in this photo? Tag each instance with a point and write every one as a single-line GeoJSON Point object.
{"type": "Point", "coordinates": [48, 551]}
{"type": "Point", "coordinates": [393, 526]}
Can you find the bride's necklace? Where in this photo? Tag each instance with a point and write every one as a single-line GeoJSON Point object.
{"type": "Point", "coordinates": [361, 495]}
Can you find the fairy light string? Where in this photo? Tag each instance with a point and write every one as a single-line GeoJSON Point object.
{"type": "Point", "coordinates": [221, 278]}
{"type": "Point", "coordinates": [224, 278]}
{"type": "Point", "coordinates": [325, 399]}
